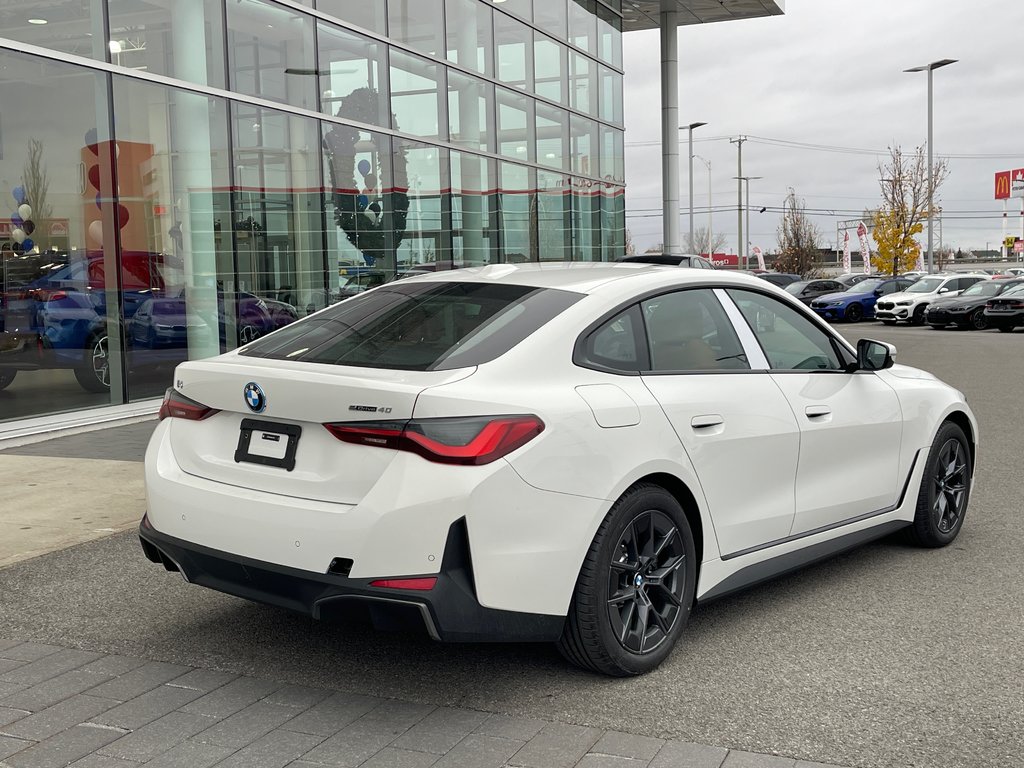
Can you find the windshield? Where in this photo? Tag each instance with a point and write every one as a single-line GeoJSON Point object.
{"type": "Point", "coordinates": [796, 287]}
{"type": "Point", "coordinates": [984, 288]}
{"type": "Point", "coordinates": [925, 285]}
{"type": "Point", "coordinates": [865, 286]}
{"type": "Point", "coordinates": [1017, 290]}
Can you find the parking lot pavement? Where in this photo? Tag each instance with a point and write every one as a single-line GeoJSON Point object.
{"type": "Point", "coordinates": [61, 706]}
{"type": "Point", "coordinates": [884, 656]}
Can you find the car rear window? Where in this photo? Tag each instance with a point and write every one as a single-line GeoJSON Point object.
{"type": "Point", "coordinates": [418, 326]}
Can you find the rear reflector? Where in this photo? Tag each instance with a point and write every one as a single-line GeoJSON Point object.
{"type": "Point", "coordinates": [177, 406]}
{"type": "Point", "coordinates": [419, 585]}
{"type": "Point", "coordinates": [473, 440]}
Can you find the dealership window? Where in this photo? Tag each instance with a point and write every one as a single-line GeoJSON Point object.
{"type": "Point", "coordinates": [474, 210]}
{"type": "Point", "coordinates": [552, 16]}
{"type": "Point", "coordinates": [470, 112]}
{"type": "Point", "coordinates": [417, 96]}
{"type": "Point", "coordinates": [469, 32]}
{"type": "Point", "coordinates": [612, 155]}
{"type": "Point", "coordinates": [554, 221]}
{"type": "Point", "coordinates": [583, 143]}
{"type": "Point", "coordinates": [523, 8]}
{"type": "Point", "coordinates": [80, 31]}
{"type": "Point", "coordinates": [550, 65]}
{"type": "Point", "coordinates": [611, 96]}
{"type": "Point", "coordinates": [586, 220]}
{"type": "Point", "coordinates": [515, 124]}
{"type": "Point", "coordinates": [184, 40]}
{"type": "Point", "coordinates": [368, 15]}
{"type": "Point", "coordinates": [278, 220]}
{"type": "Point", "coordinates": [609, 37]}
{"type": "Point", "coordinates": [583, 25]}
{"type": "Point", "coordinates": [583, 85]}
{"type": "Point", "coordinates": [516, 207]}
{"type": "Point", "coordinates": [513, 43]}
{"type": "Point", "coordinates": [60, 341]}
{"type": "Point", "coordinates": [270, 52]}
{"type": "Point", "coordinates": [613, 222]}
{"type": "Point", "coordinates": [427, 236]}
{"type": "Point", "coordinates": [552, 136]}
{"type": "Point", "coordinates": [352, 76]}
{"type": "Point", "coordinates": [418, 23]}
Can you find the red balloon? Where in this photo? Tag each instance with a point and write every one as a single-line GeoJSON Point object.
{"type": "Point", "coordinates": [122, 216]}
{"type": "Point", "coordinates": [94, 176]}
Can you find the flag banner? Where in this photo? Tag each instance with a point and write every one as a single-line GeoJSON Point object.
{"type": "Point", "coordinates": [759, 255]}
{"type": "Point", "coordinates": [846, 251]}
{"type": "Point", "coordinates": [865, 249]}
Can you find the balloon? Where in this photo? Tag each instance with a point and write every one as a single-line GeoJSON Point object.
{"type": "Point", "coordinates": [364, 167]}
{"type": "Point", "coordinates": [362, 201]}
{"type": "Point", "coordinates": [28, 245]}
{"type": "Point", "coordinates": [19, 194]}
{"type": "Point", "coordinates": [18, 235]}
{"type": "Point", "coordinates": [94, 176]}
{"type": "Point", "coordinates": [25, 211]}
{"type": "Point", "coordinates": [90, 141]}
{"type": "Point", "coordinates": [96, 232]}
{"type": "Point", "coordinates": [99, 198]}
{"type": "Point", "coordinates": [16, 247]}
{"type": "Point", "coordinates": [29, 227]}
{"type": "Point", "coordinates": [122, 216]}
{"type": "Point", "coordinates": [16, 220]}
{"type": "Point", "coordinates": [370, 180]}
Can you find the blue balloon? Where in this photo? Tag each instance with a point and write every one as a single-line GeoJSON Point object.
{"type": "Point", "coordinates": [362, 201]}
{"type": "Point", "coordinates": [16, 220]}
{"type": "Point", "coordinates": [99, 204]}
{"type": "Point", "coordinates": [19, 194]}
{"type": "Point", "coordinates": [364, 166]}
{"type": "Point", "coordinates": [90, 136]}
{"type": "Point", "coordinates": [27, 244]}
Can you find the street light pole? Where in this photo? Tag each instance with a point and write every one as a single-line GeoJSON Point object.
{"type": "Point", "coordinates": [930, 68]}
{"type": "Point", "coordinates": [691, 126]}
{"type": "Point", "coordinates": [747, 180]}
{"type": "Point", "coordinates": [739, 198]}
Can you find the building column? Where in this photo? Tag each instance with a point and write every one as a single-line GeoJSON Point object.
{"type": "Point", "coordinates": [671, 239]}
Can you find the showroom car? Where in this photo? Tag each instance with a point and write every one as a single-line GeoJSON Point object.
{"type": "Point", "coordinates": [910, 305]}
{"type": "Point", "coordinates": [547, 452]}
{"type": "Point", "coordinates": [968, 309]}
{"type": "Point", "coordinates": [1006, 311]}
{"type": "Point", "coordinates": [858, 302]}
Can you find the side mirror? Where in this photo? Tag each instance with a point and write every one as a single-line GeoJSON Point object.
{"type": "Point", "coordinates": [943, 290]}
{"type": "Point", "coordinates": [878, 291]}
{"type": "Point", "coordinates": [875, 355]}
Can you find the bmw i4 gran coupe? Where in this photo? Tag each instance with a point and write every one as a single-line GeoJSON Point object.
{"type": "Point", "coordinates": [577, 454]}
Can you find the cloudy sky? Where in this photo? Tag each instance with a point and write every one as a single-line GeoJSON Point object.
{"type": "Point", "coordinates": [830, 72]}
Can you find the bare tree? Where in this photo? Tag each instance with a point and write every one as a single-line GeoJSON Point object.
{"type": "Point", "coordinates": [659, 248]}
{"type": "Point", "coordinates": [944, 257]}
{"type": "Point", "coordinates": [697, 242]}
{"type": "Point", "coordinates": [903, 181]}
{"type": "Point", "coordinates": [798, 240]}
{"type": "Point", "coordinates": [36, 182]}
{"type": "Point", "coordinates": [630, 245]}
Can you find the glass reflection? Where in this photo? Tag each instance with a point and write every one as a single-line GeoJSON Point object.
{"type": "Point", "coordinates": [474, 210]}
{"type": "Point", "coordinates": [368, 15]}
{"type": "Point", "coordinates": [425, 243]}
{"type": "Point", "coordinates": [554, 222]}
{"type": "Point", "coordinates": [517, 213]}
{"type": "Point", "coordinates": [352, 75]}
{"type": "Point", "coordinates": [417, 96]}
{"type": "Point", "coordinates": [418, 24]}
{"type": "Point", "coordinates": [471, 112]}
{"type": "Point", "coordinates": [469, 35]}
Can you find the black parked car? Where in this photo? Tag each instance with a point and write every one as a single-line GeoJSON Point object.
{"type": "Point", "coordinates": [781, 279]}
{"type": "Point", "coordinates": [968, 309]}
{"type": "Point", "coordinates": [1006, 311]}
{"type": "Point", "coordinates": [852, 278]}
{"type": "Point", "coordinates": [808, 290]}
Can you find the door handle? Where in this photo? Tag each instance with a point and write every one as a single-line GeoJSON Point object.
{"type": "Point", "coordinates": [817, 411]}
{"type": "Point", "coordinates": [707, 420]}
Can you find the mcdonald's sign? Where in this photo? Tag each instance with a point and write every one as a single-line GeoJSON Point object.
{"type": "Point", "coordinates": [1003, 185]}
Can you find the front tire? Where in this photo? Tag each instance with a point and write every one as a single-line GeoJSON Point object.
{"type": "Point", "coordinates": [945, 490]}
{"type": "Point", "coordinates": [978, 320]}
{"type": "Point", "coordinates": [635, 589]}
{"type": "Point", "coordinates": [94, 374]}
{"type": "Point", "coordinates": [854, 313]}
{"type": "Point", "coordinates": [918, 317]}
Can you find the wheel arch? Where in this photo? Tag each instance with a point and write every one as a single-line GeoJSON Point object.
{"type": "Point", "coordinates": [682, 493]}
{"type": "Point", "coordinates": [963, 421]}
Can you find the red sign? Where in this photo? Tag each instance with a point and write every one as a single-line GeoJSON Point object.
{"type": "Point", "coordinates": [1018, 247]}
{"type": "Point", "coordinates": [725, 260]}
{"type": "Point", "coordinates": [1003, 185]}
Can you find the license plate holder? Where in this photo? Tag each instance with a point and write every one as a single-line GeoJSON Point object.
{"type": "Point", "coordinates": [268, 443]}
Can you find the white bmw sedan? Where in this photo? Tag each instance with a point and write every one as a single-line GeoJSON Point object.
{"type": "Point", "coordinates": [574, 453]}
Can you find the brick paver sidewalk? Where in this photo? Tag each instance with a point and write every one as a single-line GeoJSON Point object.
{"type": "Point", "coordinates": [60, 707]}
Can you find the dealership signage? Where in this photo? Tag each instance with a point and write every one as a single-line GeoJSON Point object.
{"type": "Point", "coordinates": [1010, 184]}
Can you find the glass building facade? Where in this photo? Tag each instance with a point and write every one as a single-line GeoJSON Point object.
{"type": "Point", "coordinates": [183, 177]}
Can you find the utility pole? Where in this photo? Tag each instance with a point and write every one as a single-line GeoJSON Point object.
{"type": "Point", "coordinates": [690, 127]}
{"type": "Point", "coordinates": [740, 249]}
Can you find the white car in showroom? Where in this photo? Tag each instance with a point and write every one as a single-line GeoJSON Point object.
{"type": "Point", "coordinates": [910, 305]}
{"type": "Point", "coordinates": [574, 453]}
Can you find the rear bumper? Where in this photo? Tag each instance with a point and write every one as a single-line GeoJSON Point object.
{"type": "Point", "coordinates": [449, 612]}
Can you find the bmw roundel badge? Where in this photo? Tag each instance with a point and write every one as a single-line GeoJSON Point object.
{"type": "Point", "coordinates": [254, 397]}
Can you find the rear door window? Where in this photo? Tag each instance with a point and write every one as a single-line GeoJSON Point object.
{"type": "Point", "coordinates": [418, 326]}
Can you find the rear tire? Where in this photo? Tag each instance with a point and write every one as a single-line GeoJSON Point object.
{"type": "Point", "coordinates": [6, 377]}
{"type": "Point", "coordinates": [945, 490]}
{"type": "Point", "coordinates": [94, 373]}
{"type": "Point", "coordinates": [635, 589]}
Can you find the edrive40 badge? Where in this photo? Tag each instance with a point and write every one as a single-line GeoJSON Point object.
{"type": "Point", "coordinates": [254, 397]}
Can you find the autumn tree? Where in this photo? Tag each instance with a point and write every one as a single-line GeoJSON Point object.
{"type": "Point", "coordinates": [700, 242]}
{"type": "Point", "coordinates": [903, 180]}
{"type": "Point", "coordinates": [630, 245]}
{"type": "Point", "coordinates": [798, 239]}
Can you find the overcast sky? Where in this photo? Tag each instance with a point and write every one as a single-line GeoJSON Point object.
{"type": "Point", "coordinates": [830, 72]}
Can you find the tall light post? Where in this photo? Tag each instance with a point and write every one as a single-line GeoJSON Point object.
{"type": "Point", "coordinates": [710, 236]}
{"type": "Point", "coordinates": [747, 180]}
{"type": "Point", "coordinates": [929, 68]}
{"type": "Point", "coordinates": [690, 128]}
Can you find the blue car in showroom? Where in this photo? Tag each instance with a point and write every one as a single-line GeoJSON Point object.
{"type": "Point", "coordinates": [858, 303]}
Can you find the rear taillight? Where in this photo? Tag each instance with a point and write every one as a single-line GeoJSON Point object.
{"type": "Point", "coordinates": [177, 406]}
{"type": "Point", "coordinates": [474, 440]}
{"type": "Point", "coordinates": [417, 585]}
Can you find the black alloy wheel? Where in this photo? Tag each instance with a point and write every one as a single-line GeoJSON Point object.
{"type": "Point", "coordinates": [945, 489]}
{"type": "Point", "coordinates": [94, 373]}
{"type": "Point", "coordinates": [635, 588]}
{"type": "Point", "coordinates": [918, 317]}
{"type": "Point", "coordinates": [645, 582]}
{"type": "Point", "coordinates": [978, 320]}
{"type": "Point", "coordinates": [854, 313]}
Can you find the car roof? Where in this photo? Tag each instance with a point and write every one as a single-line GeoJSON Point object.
{"type": "Point", "coordinates": [587, 277]}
